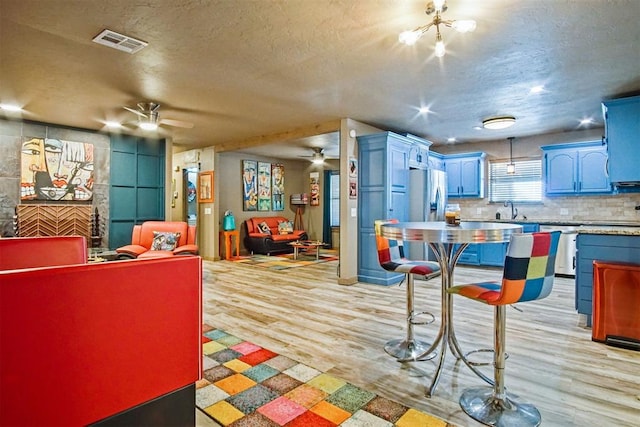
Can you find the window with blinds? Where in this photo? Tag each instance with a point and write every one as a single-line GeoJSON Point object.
{"type": "Point", "coordinates": [523, 186]}
{"type": "Point", "coordinates": [335, 200]}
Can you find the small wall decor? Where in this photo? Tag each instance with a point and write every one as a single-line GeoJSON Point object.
{"type": "Point", "coordinates": [53, 169]}
{"type": "Point", "coordinates": [205, 187]}
{"type": "Point", "coordinates": [249, 185]}
{"type": "Point", "coordinates": [277, 187]}
{"type": "Point", "coordinates": [314, 178]}
{"type": "Point", "coordinates": [264, 186]}
{"type": "Point", "coordinates": [353, 178]}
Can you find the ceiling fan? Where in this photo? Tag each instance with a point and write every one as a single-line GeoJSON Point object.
{"type": "Point", "coordinates": [149, 118]}
{"type": "Point", "coordinates": [318, 155]}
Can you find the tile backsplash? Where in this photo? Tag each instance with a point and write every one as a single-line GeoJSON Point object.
{"type": "Point", "coordinates": [620, 207]}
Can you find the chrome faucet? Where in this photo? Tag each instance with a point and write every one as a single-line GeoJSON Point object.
{"type": "Point", "coordinates": [514, 211]}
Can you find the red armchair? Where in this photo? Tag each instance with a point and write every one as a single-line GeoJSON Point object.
{"type": "Point", "coordinates": [156, 239]}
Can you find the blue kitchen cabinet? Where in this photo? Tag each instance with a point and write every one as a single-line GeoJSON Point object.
{"type": "Point", "coordinates": [602, 247]}
{"type": "Point", "coordinates": [383, 180]}
{"type": "Point", "coordinates": [418, 152]}
{"type": "Point", "coordinates": [578, 168]}
{"type": "Point", "coordinates": [622, 131]}
{"type": "Point", "coordinates": [465, 174]}
{"type": "Point", "coordinates": [491, 254]}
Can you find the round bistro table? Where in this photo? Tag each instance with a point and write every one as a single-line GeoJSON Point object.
{"type": "Point", "coordinates": [443, 238]}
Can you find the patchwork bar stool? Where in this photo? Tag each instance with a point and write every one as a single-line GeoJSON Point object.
{"type": "Point", "coordinates": [528, 276]}
{"type": "Point", "coordinates": [391, 257]}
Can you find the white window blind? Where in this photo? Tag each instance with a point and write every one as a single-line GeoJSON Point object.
{"type": "Point", "coordinates": [335, 200]}
{"type": "Point", "coordinates": [523, 186]}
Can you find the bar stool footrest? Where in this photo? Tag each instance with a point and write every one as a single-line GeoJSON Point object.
{"type": "Point", "coordinates": [430, 318]}
{"type": "Point", "coordinates": [481, 350]}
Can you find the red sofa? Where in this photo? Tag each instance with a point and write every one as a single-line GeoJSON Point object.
{"type": "Point", "coordinates": [113, 343]}
{"type": "Point", "coordinates": [29, 252]}
{"type": "Point", "coordinates": [142, 238]}
{"type": "Point", "coordinates": [258, 242]}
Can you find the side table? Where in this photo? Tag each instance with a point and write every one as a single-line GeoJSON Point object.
{"type": "Point", "coordinates": [227, 236]}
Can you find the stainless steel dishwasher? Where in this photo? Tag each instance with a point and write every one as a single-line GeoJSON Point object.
{"type": "Point", "coordinates": [566, 257]}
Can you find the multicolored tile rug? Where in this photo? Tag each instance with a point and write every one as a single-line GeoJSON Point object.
{"type": "Point", "coordinates": [245, 385]}
{"type": "Point", "coordinates": [285, 261]}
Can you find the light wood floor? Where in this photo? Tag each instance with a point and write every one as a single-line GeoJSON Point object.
{"type": "Point", "coordinates": [302, 313]}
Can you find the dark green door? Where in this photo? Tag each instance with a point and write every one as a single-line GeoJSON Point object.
{"type": "Point", "coordinates": [137, 185]}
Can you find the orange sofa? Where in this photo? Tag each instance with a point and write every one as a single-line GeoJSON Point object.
{"type": "Point", "coordinates": [143, 235]}
{"type": "Point", "coordinates": [258, 242]}
{"type": "Point", "coordinates": [112, 343]}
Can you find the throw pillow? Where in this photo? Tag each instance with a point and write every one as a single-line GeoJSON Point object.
{"type": "Point", "coordinates": [165, 240]}
{"type": "Point", "coordinates": [264, 228]}
{"type": "Point", "coordinates": [285, 227]}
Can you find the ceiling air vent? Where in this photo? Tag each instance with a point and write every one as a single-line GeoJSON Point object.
{"type": "Point", "coordinates": [119, 41]}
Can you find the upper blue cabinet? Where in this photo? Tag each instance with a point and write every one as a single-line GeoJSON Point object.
{"type": "Point", "coordinates": [579, 168]}
{"type": "Point", "coordinates": [418, 152]}
{"type": "Point", "coordinates": [622, 129]}
{"type": "Point", "coordinates": [465, 174]}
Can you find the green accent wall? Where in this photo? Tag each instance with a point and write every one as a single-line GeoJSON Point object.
{"type": "Point", "coordinates": [137, 185]}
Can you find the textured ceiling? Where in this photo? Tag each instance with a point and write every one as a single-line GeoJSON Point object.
{"type": "Point", "coordinates": [243, 69]}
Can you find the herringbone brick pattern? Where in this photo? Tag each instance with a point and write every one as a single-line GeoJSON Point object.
{"type": "Point", "coordinates": [54, 220]}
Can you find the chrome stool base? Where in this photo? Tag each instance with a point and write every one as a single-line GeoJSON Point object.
{"type": "Point", "coordinates": [406, 350]}
{"type": "Point", "coordinates": [481, 404]}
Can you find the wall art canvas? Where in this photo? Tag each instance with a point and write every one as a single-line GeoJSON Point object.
{"type": "Point", "coordinates": [277, 189]}
{"type": "Point", "coordinates": [54, 169]}
{"type": "Point", "coordinates": [264, 186]}
{"type": "Point", "coordinates": [205, 187]}
{"type": "Point", "coordinates": [249, 185]}
{"type": "Point", "coordinates": [314, 178]}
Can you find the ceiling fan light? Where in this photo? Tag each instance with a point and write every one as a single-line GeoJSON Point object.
{"type": "Point", "coordinates": [464, 25]}
{"type": "Point", "coordinates": [497, 123]}
{"type": "Point", "coordinates": [318, 158]}
{"type": "Point", "coordinates": [148, 126]}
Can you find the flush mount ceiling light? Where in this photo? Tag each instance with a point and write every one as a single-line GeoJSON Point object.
{"type": "Point", "coordinates": [500, 122]}
{"type": "Point", "coordinates": [439, 7]}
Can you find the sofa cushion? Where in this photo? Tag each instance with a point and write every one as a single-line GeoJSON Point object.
{"type": "Point", "coordinates": [264, 228]}
{"type": "Point", "coordinates": [285, 227]}
{"type": "Point", "coordinates": [165, 240]}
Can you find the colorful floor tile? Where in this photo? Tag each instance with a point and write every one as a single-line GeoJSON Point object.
{"type": "Point", "coordinates": [245, 385]}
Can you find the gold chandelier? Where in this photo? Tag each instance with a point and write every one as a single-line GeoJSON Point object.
{"type": "Point", "coordinates": [439, 7]}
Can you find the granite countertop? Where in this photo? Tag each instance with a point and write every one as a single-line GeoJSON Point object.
{"type": "Point", "coordinates": [609, 229]}
{"type": "Point", "coordinates": [577, 223]}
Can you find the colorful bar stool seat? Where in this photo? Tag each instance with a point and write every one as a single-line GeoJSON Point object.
{"type": "Point", "coordinates": [391, 257]}
{"type": "Point", "coordinates": [528, 276]}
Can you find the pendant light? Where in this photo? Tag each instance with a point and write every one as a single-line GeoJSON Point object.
{"type": "Point", "coordinates": [511, 167]}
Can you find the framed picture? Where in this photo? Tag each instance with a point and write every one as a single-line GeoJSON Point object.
{"type": "Point", "coordinates": [249, 185]}
{"type": "Point", "coordinates": [314, 178]}
{"type": "Point", "coordinates": [205, 187]}
{"type": "Point", "coordinates": [277, 188]}
{"type": "Point", "coordinates": [264, 186]}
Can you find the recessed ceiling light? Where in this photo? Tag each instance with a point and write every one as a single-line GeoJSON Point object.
{"type": "Point", "coordinates": [424, 110]}
{"type": "Point", "coordinates": [10, 107]}
{"type": "Point", "coordinates": [112, 124]}
{"type": "Point", "coordinates": [587, 121]}
{"type": "Point", "coordinates": [499, 122]}
{"type": "Point", "coordinates": [452, 139]}
{"type": "Point", "coordinates": [537, 89]}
